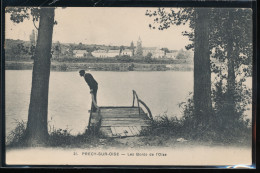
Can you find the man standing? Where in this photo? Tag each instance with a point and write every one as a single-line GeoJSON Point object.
{"type": "Point", "coordinates": [93, 85]}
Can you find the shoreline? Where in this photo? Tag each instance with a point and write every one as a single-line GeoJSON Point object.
{"type": "Point", "coordinates": [71, 66]}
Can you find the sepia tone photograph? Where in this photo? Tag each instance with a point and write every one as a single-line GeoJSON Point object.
{"type": "Point", "coordinates": [133, 86]}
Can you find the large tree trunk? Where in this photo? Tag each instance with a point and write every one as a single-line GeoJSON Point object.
{"type": "Point", "coordinates": [231, 80]}
{"type": "Point", "coordinates": [202, 72]}
{"type": "Point", "coordinates": [37, 128]}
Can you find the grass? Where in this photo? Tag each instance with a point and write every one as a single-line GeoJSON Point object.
{"type": "Point", "coordinates": [16, 136]}
{"type": "Point", "coordinates": [164, 131]}
{"type": "Point", "coordinates": [166, 128]}
{"type": "Point", "coordinates": [63, 138]}
{"type": "Point", "coordinates": [57, 137]}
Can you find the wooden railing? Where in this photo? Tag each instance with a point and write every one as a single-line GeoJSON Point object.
{"type": "Point", "coordinates": [138, 105]}
{"type": "Point", "coordinates": [95, 104]}
{"type": "Point", "coordinates": [135, 96]}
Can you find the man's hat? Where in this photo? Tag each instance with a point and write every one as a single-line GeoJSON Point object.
{"type": "Point", "coordinates": [82, 71]}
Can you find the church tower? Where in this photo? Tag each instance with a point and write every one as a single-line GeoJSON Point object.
{"type": "Point", "coordinates": [139, 48]}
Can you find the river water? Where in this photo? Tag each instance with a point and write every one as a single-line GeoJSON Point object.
{"type": "Point", "coordinates": [69, 97]}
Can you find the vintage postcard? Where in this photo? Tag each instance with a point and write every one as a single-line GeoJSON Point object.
{"type": "Point", "coordinates": [142, 86]}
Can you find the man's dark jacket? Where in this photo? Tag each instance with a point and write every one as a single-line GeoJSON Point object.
{"type": "Point", "coordinates": [92, 83]}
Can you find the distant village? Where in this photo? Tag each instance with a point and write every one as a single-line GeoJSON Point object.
{"type": "Point", "coordinates": [73, 50]}
{"type": "Point", "coordinates": [131, 51]}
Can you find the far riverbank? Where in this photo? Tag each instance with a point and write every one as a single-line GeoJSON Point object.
{"type": "Point", "coordinates": [70, 66]}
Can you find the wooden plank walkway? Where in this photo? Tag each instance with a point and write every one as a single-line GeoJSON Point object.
{"type": "Point", "coordinates": [121, 121]}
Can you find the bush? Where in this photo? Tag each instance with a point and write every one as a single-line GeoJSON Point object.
{"type": "Point", "coordinates": [124, 58]}
{"type": "Point", "coordinates": [232, 122]}
{"type": "Point", "coordinates": [63, 67]}
{"type": "Point", "coordinates": [131, 67]}
{"type": "Point", "coordinates": [148, 57]}
{"type": "Point", "coordinates": [57, 137]}
{"type": "Point", "coordinates": [21, 57]}
{"type": "Point", "coordinates": [223, 126]}
{"type": "Point", "coordinates": [220, 129]}
{"type": "Point", "coordinates": [60, 137]}
{"type": "Point", "coordinates": [15, 138]}
{"type": "Point", "coordinates": [164, 126]}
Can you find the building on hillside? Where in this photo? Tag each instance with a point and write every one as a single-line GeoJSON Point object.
{"type": "Point", "coordinates": [172, 54]}
{"type": "Point", "coordinates": [105, 53]}
{"type": "Point", "coordinates": [99, 53]}
{"type": "Point", "coordinates": [146, 50]}
{"type": "Point", "coordinates": [112, 53]}
{"type": "Point", "coordinates": [79, 53]}
{"type": "Point", "coordinates": [156, 52]}
{"type": "Point", "coordinates": [128, 52]}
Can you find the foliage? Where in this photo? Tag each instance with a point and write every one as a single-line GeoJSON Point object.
{"type": "Point", "coordinates": [33, 38]}
{"type": "Point", "coordinates": [242, 98]}
{"type": "Point", "coordinates": [131, 67]}
{"type": "Point", "coordinates": [166, 50]}
{"type": "Point", "coordinates": [57, 137]}
{"type": "Point", "coordinates": [241, 27]}
{"type": "Point", "coordinates": [63, 67]}
{"type": "Point", "coordinates": [121, 49]}
{"type": "Point", "coordinates": [124, 58]}
{"type": "Point", "coordinates": [63, 138]}
{"type": "Point", "coordinates": [226, 127]}
{"type": "Point", "coordinates": [20, 49]}
{"type": "Point", "coordinates": [15, 137]}
{"type": "Point", "coordinates": [56, 50]}
{"type": "Point", "coordinates": [139, 48]}
{"type": "Point", "coordinates": [224, 132]}
{"type": "Point", "coordinates": [239, 22]}
{"type": "Point", "coordinates": [230, 43]}
{"type": "Point", "coordinates": [233, 52]}
{"type": "Point", "coordinates": [148, 57]}
{"type": "Point", "coordinates": [182, 55]}
{"type": "Point", "coordinates": [164, 19]}
{"type": "Point", "coordinates": [37, 113]}
{"type": "Point", "coordinates": [132, 47]}
{"type": "Point", "coordinates": [18, 14]}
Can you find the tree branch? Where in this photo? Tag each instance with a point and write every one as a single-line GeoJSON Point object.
{"type": "Point", "coordinates": [35, 25]}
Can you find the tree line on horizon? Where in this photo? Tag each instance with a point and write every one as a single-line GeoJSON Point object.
{"type": "Point", "coordinates": [24, 50]}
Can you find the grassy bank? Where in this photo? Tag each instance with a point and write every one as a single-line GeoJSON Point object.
{"type": "Point", "coordinates": [65, 66]}
{"type": "Point", "coordinates": [164, 132]}
{"type": "Point", "coordinates": [165, 129]}
{"type": "Point", "coordinates": [57, 137]}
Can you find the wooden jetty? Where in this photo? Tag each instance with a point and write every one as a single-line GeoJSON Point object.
{"type": "Point", "coordinates": [121, 121]}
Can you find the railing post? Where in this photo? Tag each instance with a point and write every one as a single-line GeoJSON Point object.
{"type": "Point", "coordinates": [133, 98]}
{"type": "Point", "coordinates": [135, 95]}
{"type": "Point", "coordinates": [138, 103]}
{"type": "Point", "coordinates": [147, 108]}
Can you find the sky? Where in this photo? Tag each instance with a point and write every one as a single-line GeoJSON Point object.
{"type": "Point", "coordinates": [104, 25]}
